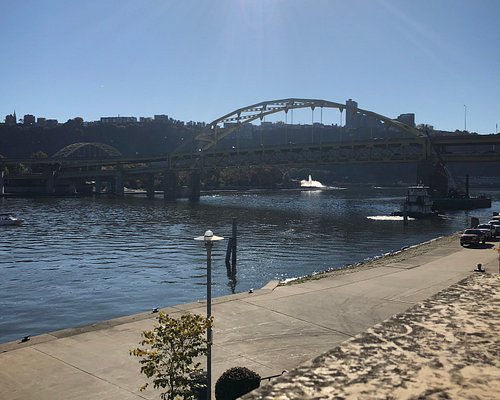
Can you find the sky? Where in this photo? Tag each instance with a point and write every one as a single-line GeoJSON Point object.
{"type": "Point", "coordinates": [197, 60]}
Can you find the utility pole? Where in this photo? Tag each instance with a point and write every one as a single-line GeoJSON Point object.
{"type": "Point", "coordinates": [465, 117]}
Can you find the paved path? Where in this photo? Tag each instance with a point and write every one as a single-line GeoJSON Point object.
{"type": "Point", "coordinates": [446, 347]}
{"type": "Point", "coordinates": [270, 330]}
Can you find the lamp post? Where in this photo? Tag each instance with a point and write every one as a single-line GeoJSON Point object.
{"type": "Point", "coordinates": [208, 240]}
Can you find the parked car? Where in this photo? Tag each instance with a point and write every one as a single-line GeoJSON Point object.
{"type": "Point", "coordinates": [472, 237]}
{"type": "Point", "coordinates": [496, 224]}
{"type": "Point", "coordinates": [488, 229]}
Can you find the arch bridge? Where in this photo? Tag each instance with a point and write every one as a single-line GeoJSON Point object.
{"type": "Point", "coordinates": [87, 150]}
{"type": "Point", "coordinates": [221, 127]}
{"type": "Point", "coordinates": [209, 149]}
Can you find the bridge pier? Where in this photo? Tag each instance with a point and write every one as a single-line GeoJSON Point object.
{"type": "Point", "coordinates": [433, 174]}
{"type": "Point", "coordinates": [194, 186]}
{"type": "Point", "coordinates": [170, 185]}
{"type": "Point", "coordinates": [2, 183]}
{"type": "Point", "coordinates": [50, 183]}
{"type": "Point", "coordinates": [98, 185]}
{"type": "Point", "coordinates": [119, 190]}
{"type": "Point", "coordinates": [150, 186]}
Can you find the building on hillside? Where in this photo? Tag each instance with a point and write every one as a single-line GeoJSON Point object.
{"type": "Point", "coordinates": [29, 119]}
{"type": "Point", "coordinates": [161, 118]}
{"type": "Point", "coordinates": [351, 116]}
{"type": "Point", "coordinates": [118, 120]}
{"type": "Point", "coordinates": [354, 119]}
{"type": "Point", "coordinates": [408, 119]}
{"type": "Point", "coordinates": [11, 119]}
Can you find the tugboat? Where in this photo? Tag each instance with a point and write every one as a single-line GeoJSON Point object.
{"type": "Point", "coordinates": [418, 203]}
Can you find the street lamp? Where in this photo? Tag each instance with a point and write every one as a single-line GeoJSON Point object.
{"type": "Point", "coordinates": [208, 240]}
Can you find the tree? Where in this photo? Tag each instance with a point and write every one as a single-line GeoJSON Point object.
{"type": "Point", "coordinates": [39, 154]}
{"type": "Point", "coordinates": [39, 167]}
{"type": "Point", "coordinates": [172, 347]}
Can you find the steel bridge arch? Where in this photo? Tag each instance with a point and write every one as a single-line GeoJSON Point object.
{"type": "Point", "coordinates": [87, 150]}
{"type": "Point", "coordinates": [223, 126]}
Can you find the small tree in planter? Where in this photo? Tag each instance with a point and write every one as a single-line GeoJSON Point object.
{"type": "Point", "coordinates": [172, 346]}
{"type": "Point", "coordinates": [236, 382]}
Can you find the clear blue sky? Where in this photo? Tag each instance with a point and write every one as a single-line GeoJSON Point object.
{"type": "Point", "coordinates": [200, 59]}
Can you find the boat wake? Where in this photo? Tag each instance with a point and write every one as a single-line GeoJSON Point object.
{"type": "Point", "coordinates": [312, 185]}
{"type": "Point", "coordinates": [387, 218]}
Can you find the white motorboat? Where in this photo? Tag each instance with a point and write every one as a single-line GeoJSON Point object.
{"type": "Point", "coordinates": [311, 184]}
{"type": "Point", "coordinates": [9, 220]}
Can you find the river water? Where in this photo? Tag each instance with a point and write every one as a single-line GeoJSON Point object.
{"type": "Point", "coordinates": [80, 260]}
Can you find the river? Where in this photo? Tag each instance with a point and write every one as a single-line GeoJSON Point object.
{"type": "Point", "coordinates": [81, 260]}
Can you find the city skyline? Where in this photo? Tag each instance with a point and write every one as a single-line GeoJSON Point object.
{"type": "Point", "coordinates": [196, 60]}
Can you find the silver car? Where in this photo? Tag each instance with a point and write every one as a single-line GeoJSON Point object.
{"type": "Point", "coordinates": [488, 229]}
{"type": "Point", "coordinates": [496, 224]}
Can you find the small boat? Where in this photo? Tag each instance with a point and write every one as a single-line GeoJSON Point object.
{"type": "Point", "coordinates": [311, 184]}
{"type": "Point", "coordinates": [9, 220]}
{"type": "Point", "coordinates": [418, 203]}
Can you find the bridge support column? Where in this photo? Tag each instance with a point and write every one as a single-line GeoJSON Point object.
{"type": "Point", "coordinates": [150, 186]}
{"type": "Point", "coordinates": [194, 186]}
{"type": "Point", "coordinates": [50, 183]}
{"type": "Point", "coordinates": [98, 185]}
{"type": "Point", "coordinates": [2, 183]}
{"type": "Point", "coordinates": [72, 188]}
{"type": "Point", "coordinates": [424, 172]}
{"type": "Point", "coordinates": [170, 185]}
{"type": "Point", "coordinates": [433, 174]}
{"type": "Point", "coordinates": [119, 181]}
{"type": "Point", "coordinates": [98, 181]}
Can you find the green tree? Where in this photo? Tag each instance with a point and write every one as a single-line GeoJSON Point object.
{"type": "Point", "coordinates": [39, 154]}
{"type": "Point", "coordinates": [16, 168]}
{"type": "Point", "coordinates": [170, 353]}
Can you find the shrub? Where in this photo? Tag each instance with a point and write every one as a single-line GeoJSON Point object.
{"type": "Point", "coordinates": [236, 382]}
{"type": "Point", "coordinates": [170, 353]}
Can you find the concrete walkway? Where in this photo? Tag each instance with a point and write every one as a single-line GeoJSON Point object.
{"type": "Point", "coordinates": [445, 347]}
{"type": "Point", "coordinates": [268, 331]}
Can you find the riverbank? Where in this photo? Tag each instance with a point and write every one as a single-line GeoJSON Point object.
{"type": "Point", "coordinates": [272, 329]}
{"type": "Point", "coordinates": [393, 258]}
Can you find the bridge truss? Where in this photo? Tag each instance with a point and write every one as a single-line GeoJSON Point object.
{"type": "Point", "coordinates": [387, 151]}
{"type": "Point", "coordinates": [87, 150]}
{"type": "Point", "coordinates": [225, 125]}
